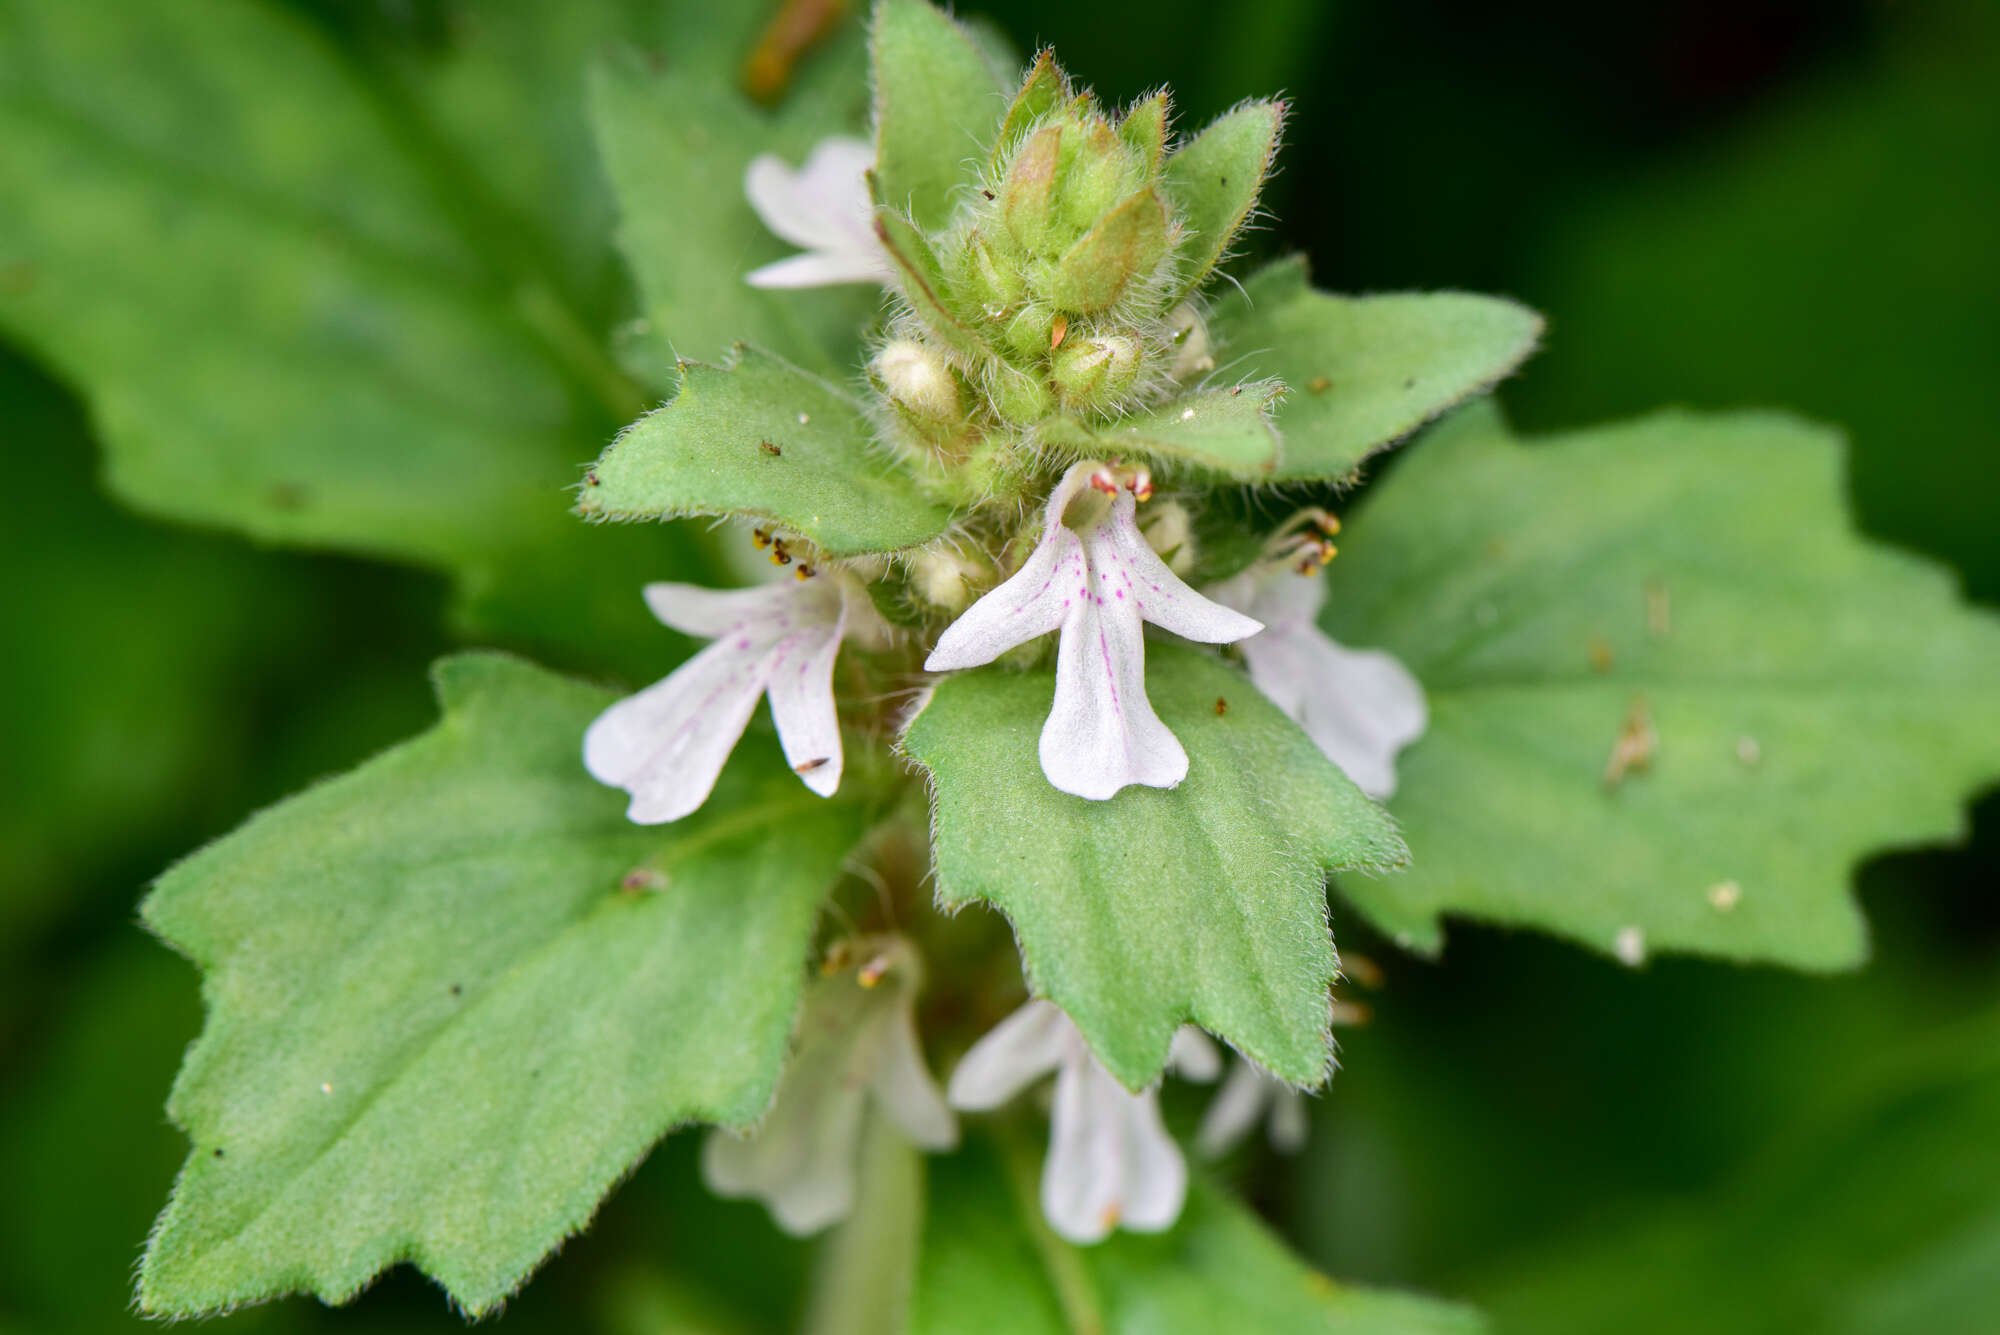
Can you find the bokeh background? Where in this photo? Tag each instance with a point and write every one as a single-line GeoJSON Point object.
{"type": "Point", "coordinates": [1781, 202]}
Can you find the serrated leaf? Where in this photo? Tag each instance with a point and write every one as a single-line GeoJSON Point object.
{"type": "Point", "coordinates": [1363, 371]}
{"type": "Point", "coordinates": [1219, 1269]}
{"type": "Point", "coordinates": [1225, 431]}
{"type": "Point", "coordinates": [293, 319]}
{"type": "Point", "coordinates": [440, 1029]}
{"type": "Point", "coordinates": [937, 102]}
{"type": "Point", "coordinates": [764, 438]}
{"type": "Point", "coordinates": [1214, 178]}
{"type": "Point", "coordinates": [1201, 902]}
{"type": "Point", "coordinates": [1812, 697]}
{"type": "Point", "coordinates": [676, 138]}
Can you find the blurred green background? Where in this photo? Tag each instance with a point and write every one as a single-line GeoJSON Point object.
{"type": "Point", "coordinates": [1775, 202]}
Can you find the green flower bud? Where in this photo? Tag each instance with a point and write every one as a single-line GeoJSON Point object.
{"type": "Point", "coordinates": [1093, 373]}
{"type": "Point", "coordinates": [992, 280]}
{"type": "Point", "coordinates": [1022, 399]}
{"type": "Point", "coordinates": [1027, 196]}
{"type": "Point", "coordinates": [1031, 332]}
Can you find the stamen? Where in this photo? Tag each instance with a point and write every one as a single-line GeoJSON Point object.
{"type": "Point", "coordinates": [760, 538]}
{"type": "Point", "coordinates": [1141, 484]}
{"type": "Point", "coordinates": [804, 571]}
{"type": "Point", "coordinates": [873, 971]}
{"type": "Point", "coordinates": [1104, 480]}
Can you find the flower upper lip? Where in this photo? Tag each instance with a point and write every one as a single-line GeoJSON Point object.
{"type": "Point", "coordinates": [1097, 584]}
{"type": "Point", "coordinates": [823, 208]}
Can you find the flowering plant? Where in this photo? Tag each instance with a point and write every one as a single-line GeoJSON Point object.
{"type": "Point", "coordinates": [1027, 495]}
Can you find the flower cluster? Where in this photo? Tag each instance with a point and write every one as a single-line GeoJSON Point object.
{"type": "Point", "coordinates": [1057, 297]}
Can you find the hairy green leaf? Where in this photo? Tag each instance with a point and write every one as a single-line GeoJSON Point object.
{"type": "Point", "coordinates": [937, 105]}
{"type": "Point", "coordinates": [676, 137]}
{"type": "Point", "coordinates": [1790, 697]}
{"type": "Point", "coordinates": [1225, 431]}
{"type": "Point", "coordinates": [440, 1023]}
{"type": "Point", "coordinates": [1214, 179]}
{"type": "Point", "coordinates": [986, 1250]}
{"type": "Point", "coordinates": [1363, 371]}
{"type": "Point", "coordinates": [1202, 902]}
{"type": "Point", "coordinates": [766, 439]}
{"type": "Point", "coordinates": [345, 342]}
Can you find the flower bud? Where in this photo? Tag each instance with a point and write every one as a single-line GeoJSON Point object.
{"type": "Point", "coordinates": [1027, 195]}
{"type": "Point", "coordinates": [1169, 531]}
{"type": "Point", "coordinates": [1095, 372]}
{"type": "Point", "coordinates": [1193, 354]}
{"type": "Point", "coordinates": [920, 382]}
{"type": "Point", "coordinates": [992, 278]}
{"type": "Point", "coordinates": [944, 579]}
{"type": "Point", "coordinates": [1021, 398]}
{"type": "Point", "coordinates": [1031, 332]}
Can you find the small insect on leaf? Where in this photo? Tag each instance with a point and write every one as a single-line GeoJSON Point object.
{"type": "Point", "coordinates": [1319, 384]}
{"type": "Point", "coordinates": [1221, 706]}
{"type": "Point", "coordinates": [1635, 745]}
{"type": "Point", "coordinates": [770, 448]}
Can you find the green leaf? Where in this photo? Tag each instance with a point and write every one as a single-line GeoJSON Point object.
{"type": "Point", "coordinates": [986, 1251]}
{"type": "Point", "coordinates": [1225, 431]}
{"type": "Point", "coordinates": [439, 1029]}
{"type": "Point", "coordinates": [1202, 902]}
{"type": "Point", "coordinates": [295, 315]}
{"type": "Point", "coordinates": [676, 137]}
{"type": "Point", "coordinates": [1815, 697]}
{"type": "Point", "coordinates": [1364, 371]}
{"type": "Point", "coordinates": [763, 438]}
{"type": "Point", "coordinates": [937, 104]}
{"type": "Point", "coordinates": [1214, 179]}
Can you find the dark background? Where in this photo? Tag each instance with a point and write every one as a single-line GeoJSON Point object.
{"type": "Point", "coordinates": [1716, 204]}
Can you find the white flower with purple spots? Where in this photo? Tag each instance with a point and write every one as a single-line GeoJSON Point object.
{"type": "Point", "coordinates": [666, 745]}
{"type": "Point", "coordinates": [1359, 706]}
{"type": "Point", "coordinates": [1111, 1163]}
{"type": "Point", "coordinates": [824, 209]}
{"type": "Point", "coordinates": [1094, 577]}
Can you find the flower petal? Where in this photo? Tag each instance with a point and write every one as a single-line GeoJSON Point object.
{"type": "Point", "coordinates": [713, 613]}
{"type": "Point", "coordinates": [1367, 709]}
{"type": "Point", "coordinates": [1083, 1179]}
{"type": "Point", "coordinates": [1289, 1123]}
{"type": "Point", "coordinates": [1102, 733]}
{"type": "Point", "coordinates": [1124, 567]}
{"type": "Point", "coordinates": [1035, 601]}
{"type": "Point", "coordinates": [1234, 1110]}
{"type": "Point", "coordinates": [786, 201]}
{"type": "Point", "coordinates": [801, 687]}
{"type": "Point", "coordinates": [1193, 1056]}
{"type": "Point", "coordinates": [666, 745]}
{"type": "Point", "coordinates": [800, 1161]}
{"type": "Point", "coordinates": [1155, 1173]}
{"type": "Point", "coordinates": [1011, 1055]}
{"type": "Point", "coordinates": [818, 268]}
{"type": "Point", "coordinates": [904, 1089]}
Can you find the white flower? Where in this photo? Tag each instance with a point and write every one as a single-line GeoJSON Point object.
{"type": "Point", "coordinates": [857, 1056]}
{"type": "Point", "coordinates": [824, 208]}
{"type": "Point", "coordinates": [1093, 576]}
{"type": "Point", "coordinates": [1111, 1162]}
{"type": "Point", "coordinates": [1360, 706]}
{"type": "Point", "coordinates": [1248, 1094]}
{"type": "Point", "coordinates": [666, 745]}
